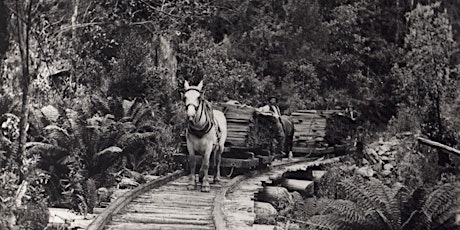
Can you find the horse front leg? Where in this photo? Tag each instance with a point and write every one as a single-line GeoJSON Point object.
{"type": "Point", "coordinates": [192, 166]}
{"type": "Point", "coordinates": [218, 155]}
{"type": "Point", "coordinates": [205, 187]}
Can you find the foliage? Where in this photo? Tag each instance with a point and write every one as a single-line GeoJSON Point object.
{"type": "Point", "coordinates": [371, 204]}
{"type": "Point", "coordinates": [405, 121]}
{"type": "Point", "coordinates": [426, 74]}
{"type": "Point", "coordinates": [328, 186]}
{"type": "Point", "coordinates": [225, 78]}
{"type": "Point", "coordinates": [392, 60]}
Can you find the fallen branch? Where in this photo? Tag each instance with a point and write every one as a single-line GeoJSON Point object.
{"type": "Point", "coordinates": [438, 145]}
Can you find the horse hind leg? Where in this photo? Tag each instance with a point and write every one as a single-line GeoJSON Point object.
{"type": "Point", "coordinates": [217, 159]}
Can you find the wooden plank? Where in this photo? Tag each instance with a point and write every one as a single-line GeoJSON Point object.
{"type": "Point", "coordinates": [137, 226]}
{"type": "Point", "coordinates": [170, 216]}
{"type": "Point", "coordinates": [153, 206]}
{"type": "Point", "coordinates": [153, 219]}
{"type": "Point", "coordinates": [165, 210]}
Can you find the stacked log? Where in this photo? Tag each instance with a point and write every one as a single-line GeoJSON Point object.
{"type": "Point", "coordinates": [339, 129]}
{"type": "Point", "coordinates": [309, 130]}
{"type": "Point", "coordinates": [239, 123]}
{"type": "Point", "coordinates": [319, 130]}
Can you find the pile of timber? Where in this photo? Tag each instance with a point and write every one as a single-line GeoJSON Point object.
{"type": "Point", "coordinates": [310, 130]}
{"type": "Point", "coordinates": [240, 120]}
{"type": "Point", "coordinates": [339, 129]}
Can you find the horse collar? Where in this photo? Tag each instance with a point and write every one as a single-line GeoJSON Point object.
{"type": "Point", "coordinates": [209, 123]}
{"type": "Point", "coordinates": [200, 132]}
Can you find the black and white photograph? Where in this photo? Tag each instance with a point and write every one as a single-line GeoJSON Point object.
{"type": "Point", "coordinates": [229, 114]}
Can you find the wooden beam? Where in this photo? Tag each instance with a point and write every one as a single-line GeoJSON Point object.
{"type": "Point", "coordinates": [438, 145]}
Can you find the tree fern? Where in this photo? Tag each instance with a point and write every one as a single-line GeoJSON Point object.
{"type": "Point", "coordinates": [441, 200]}
{"type": "Point", "coordinates": [358, 192]}
{"type": "Point", "coordinates": [332, 222]}
{"type": "Point", "coordinates": [348, 210]}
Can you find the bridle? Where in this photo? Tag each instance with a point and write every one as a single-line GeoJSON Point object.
{"type": "Point", "coordinates": [199, 131]}
{"type": "Point", "coordinates": [192, 104]}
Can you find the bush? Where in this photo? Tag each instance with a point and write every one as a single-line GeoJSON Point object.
{"type": "Point", "coordinates": [405, 121]}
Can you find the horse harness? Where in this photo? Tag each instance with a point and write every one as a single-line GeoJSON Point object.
{"type": "Point", "coordinates": [210, 122]}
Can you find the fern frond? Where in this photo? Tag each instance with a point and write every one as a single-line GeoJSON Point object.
{"type": "Point", "coordinates": [142, 114]}
{"type": "Point", "coordinates": [417, 220]}
{"type": "Point", "coordinates": [442, 200]}
{"type": "Point", "coordinates": [109, 150]}
{"type": "Point", "coordinates": [100, 103]}
{"type": "Point", "coordinates": [358, 192]}
{"type": "Point", "coordinates": [146, 125]}
{"type": "Point", "coordinates": [126, 126]}
{"type": "Point", "coordinates": [131, 139]}
{"type": "Point", "coordinates": [386, 196]}
{"type": "Point", "coordinates": [330, 221]}
{"type": "Point", "coordinates": [377, 218]}
{"type": "Point", "coordinates": [317, 206]}
{"type": "Point", "coordinates": [44, 148]}
{"type": "Point", "coordinates": [58, 134]}
{"type": "Point", "coordinates": [346, 209]}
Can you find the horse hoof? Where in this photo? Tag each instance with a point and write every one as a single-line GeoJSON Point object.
{"type": "Point", "coordinates": [216, 180]}
{"type": "Point", "coordinates": [205, 189]}
{"type": "Point", "coordinates": [191, 187]}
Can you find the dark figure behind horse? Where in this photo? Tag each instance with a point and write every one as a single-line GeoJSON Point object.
{"type": "Point", "coordinates": [287, 133]}
{"type": "Point", "coordinates": [288, 126]}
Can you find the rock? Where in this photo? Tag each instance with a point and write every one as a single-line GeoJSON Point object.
{"type": "Point", "coordinates": [296, 197]}
{"type": "Point", "coordinates": [50, 113]}
{"type": "Point", "coordinates": [365, 161]}
{"type": "Point", "coordinates": [275, 196]}
{"type": "Point", "coordinates": [318, 174]}
{"type": "Point", "coordinates": [372, 152]}
{"type": "Point", "coordinates": [126, 104]}
{"type": "Point", "coordinates": [365, 171]}
{"type": "Point", "coordinates": [294, 226]}
{"type": "Point", "coordinates": [388, 167]}
{"type": "Point", "coordinates": [383, 149]}
{"type": "Point", "coordinates": [385, 172]}
{"type": "Point", "coordinates": [387, 159]}
{"type": "Point", "coordinates": [302, 186]}
{"type": "Point", "coordinates": [127, 183]}
{"type": "Point", "coordinates": [103, 195]}
{"type": "Point", "coordinates": [265, 213]}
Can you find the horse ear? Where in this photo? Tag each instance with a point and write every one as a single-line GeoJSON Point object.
{"type": "Point", "coordinates": [186, 85]}
{"type": "Point", "coordinates": [200, 86]}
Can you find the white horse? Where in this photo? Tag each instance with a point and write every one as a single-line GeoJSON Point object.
{"type": "Point", "coordinates": [206, 133]}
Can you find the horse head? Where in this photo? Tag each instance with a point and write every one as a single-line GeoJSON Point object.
{"type": "Point", "coordinates": [192, 97]}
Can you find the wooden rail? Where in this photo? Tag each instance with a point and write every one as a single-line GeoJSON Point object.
{"type": "Point", "coordinates": [438, 145]}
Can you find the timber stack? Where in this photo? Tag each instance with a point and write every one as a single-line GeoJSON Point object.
{"type": "Point", "coordinates": [240, 120]}
{"type": "Point", "coordinates": [310, 131]}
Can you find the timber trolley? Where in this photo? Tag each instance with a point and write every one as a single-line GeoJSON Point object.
{"type": "Point", "coordinates": [249, 142]}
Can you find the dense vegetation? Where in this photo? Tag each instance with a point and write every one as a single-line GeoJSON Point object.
{"type": "Point", "coordinates": [91, 89]}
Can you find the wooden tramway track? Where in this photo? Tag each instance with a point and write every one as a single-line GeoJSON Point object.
{"type": "Point", "coordinates": [165, 203]}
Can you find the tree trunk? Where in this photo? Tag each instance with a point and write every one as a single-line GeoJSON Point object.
{"type": "Point", "coordinates": [23, 40]}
